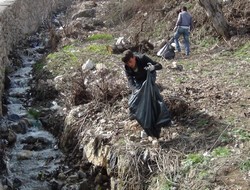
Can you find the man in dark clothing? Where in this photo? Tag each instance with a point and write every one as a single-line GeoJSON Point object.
{"type": "Point", "coordinates": [145, 104]}
{"type": "Point", "coordinates": [136, 68]}
{"type": "Point", "coordinates": [183, 27]}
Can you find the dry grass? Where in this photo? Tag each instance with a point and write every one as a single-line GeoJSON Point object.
{"type": "Point", "coordinates": [208, 99]}
{"type": "Point", "coordinates": [138, 164]}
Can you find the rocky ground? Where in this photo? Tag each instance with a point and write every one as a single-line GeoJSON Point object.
{"type": "Point", "coordinates": [207, 145]}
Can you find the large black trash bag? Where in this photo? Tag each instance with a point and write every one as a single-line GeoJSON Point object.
{"type": "Point", "coordinates": [148, 108]}
{"type": "Point", "coordinates": [167, 51]}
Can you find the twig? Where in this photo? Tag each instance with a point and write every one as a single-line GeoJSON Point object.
{"type": "Point", "coordinates": [218, 138]}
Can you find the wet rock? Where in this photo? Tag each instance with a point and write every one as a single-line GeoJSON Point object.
{"type": "Point", "coordinates": [72, 178]}
{"type": "Point", "coordinates": [18, 128]}
{"type": "Point", "coordinates": [56, 185]}
{"type": "Point", "coordinates": [81, 174]}
{"type": "Point", "coordinates": [84, 185]}
{"type": "Point", "coordinates": [11, 137]}
{"type": "Point", "coordinates": [62, 176]}
{"type": "Point", "coordinates": [98, 187]}
{"type": "Point", "coordinates": [24, 155]}
{"type": "Point", "coordinates": [17, 183]}
{"type": "Point", "coordinates": [41, 50]}
{"type": "Point", "coordinates": [101, 179]}
{"type": "Point", "coordinates": [67, 187]}
{"type": "Point", "coordinates": [7, 183]}
{"type": "Point", "coordinates": [37, 141]}
{"type": "Point", "coordinates": [36, 147]}
{"type": "Point", "coordinates": [13, 117]}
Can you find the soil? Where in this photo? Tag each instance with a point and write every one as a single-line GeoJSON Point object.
{"type": "Point", "coordinates": [208, 95]}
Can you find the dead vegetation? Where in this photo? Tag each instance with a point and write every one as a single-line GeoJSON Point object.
{"type": "Point", "coordinates": [208, 99]}
{"type": "Point", "coordinates": [82, 87]}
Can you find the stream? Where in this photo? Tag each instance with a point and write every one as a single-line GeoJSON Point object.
{"type": "Point", "coordinates": [32, 156]}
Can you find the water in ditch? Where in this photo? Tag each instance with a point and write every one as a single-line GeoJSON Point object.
{"type": "Point", "coordinates": [33, 155]}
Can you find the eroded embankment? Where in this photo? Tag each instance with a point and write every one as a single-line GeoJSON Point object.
{"type": "Point", "coordinates": [17, 19]}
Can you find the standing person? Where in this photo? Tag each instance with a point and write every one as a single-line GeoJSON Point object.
{"type": "Point", "coordinates": [135, 68]}
{"type": "Point", "coordinates": [171, 40]}
{"type": "Point", "coordinates": [183, 27]}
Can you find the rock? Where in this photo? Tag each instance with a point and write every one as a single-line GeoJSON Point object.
{"type": "Point", "coordinates": [24, 155]}
{"type": "Point", "coordinates": [18, 128]}
{"type": "Point", "coordinates": [88, 65]}
{"type": "Point", "coordinates": [11, 137]}
{"type": "Point", "coordinates": [1, 186]}
{"type": "Point", "coordinates": [96, 152]}
{"type": "Point", "coordinates": [155, 143]}
{"type": "Point", "coordinates": [72, 178]}
{"type": "Point", "coordinates": [150, 139]}
{"type": "Point", "coordinates": [84, 185]}
{"type": "Point", "coordinates": [100, 66]}
{"type": "Point", "coordinates": [143, 134]}
{"type": "Point", "coordinates": [55, 185]}
{"type": "Point", "coordinates": [14, 117]}
{"type": "Point", "coordinates": [61, 176]}
{"type": "Point", "coordinates": [17, 183]}
{"type": "Point", "coordinates": [81, 174]}
{"type": "Point", "coordinates": [89, 13]}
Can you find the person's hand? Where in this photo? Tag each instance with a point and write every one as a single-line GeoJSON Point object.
{"type": "Point", "coordinates": [150, 67]}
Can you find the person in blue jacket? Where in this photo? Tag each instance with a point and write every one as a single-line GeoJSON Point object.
{"type": "Point", "coordinates": [136, 66]}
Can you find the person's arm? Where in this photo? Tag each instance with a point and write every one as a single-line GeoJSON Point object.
{"type": "Point", "coordinates": [191, 24]}
{"type": "Point", "coordinates": [131, 82]}
{"type": "Point", "coordinates": [178, 22]}
{"type": "Point", "coordinates": [157, 66]}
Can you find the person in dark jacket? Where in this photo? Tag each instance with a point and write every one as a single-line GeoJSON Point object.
{"type": "Point", "coordinates": [145, 104]}
{"type": "Point", "coordinates": [183, 27]}
{"type": "Point", "coordinates": [136, 68]}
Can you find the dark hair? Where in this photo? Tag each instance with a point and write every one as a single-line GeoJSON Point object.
{"type": "Point", "coordinates": [184, 8]}
{"type": "Point", "coordinates": [127, 54]}
{"type": "Point", "coordinates": [178, 11]}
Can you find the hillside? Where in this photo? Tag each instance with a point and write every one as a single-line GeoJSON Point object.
{"type": "Point", "coordinates": [208, 93]}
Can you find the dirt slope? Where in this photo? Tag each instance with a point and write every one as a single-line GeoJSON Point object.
{"type": "Point", "coordinates": [208, 94]}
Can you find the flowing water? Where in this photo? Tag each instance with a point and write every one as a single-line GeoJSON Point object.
{"type": "Point", "coordinates": [34, 156]}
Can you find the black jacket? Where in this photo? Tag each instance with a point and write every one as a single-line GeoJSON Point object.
{"type": "Point", "coordinates": [135, 79]}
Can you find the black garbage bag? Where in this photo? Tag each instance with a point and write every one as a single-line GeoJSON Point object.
{"type": "Point", "coordinates": [167, 51]}
{"type": "Point", "coordinates": [148, 108]}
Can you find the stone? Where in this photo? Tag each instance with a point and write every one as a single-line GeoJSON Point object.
{"type": "Point", "coordinates": [88, 65]}
{"type": "Point", "coordinates": [24, 155]}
